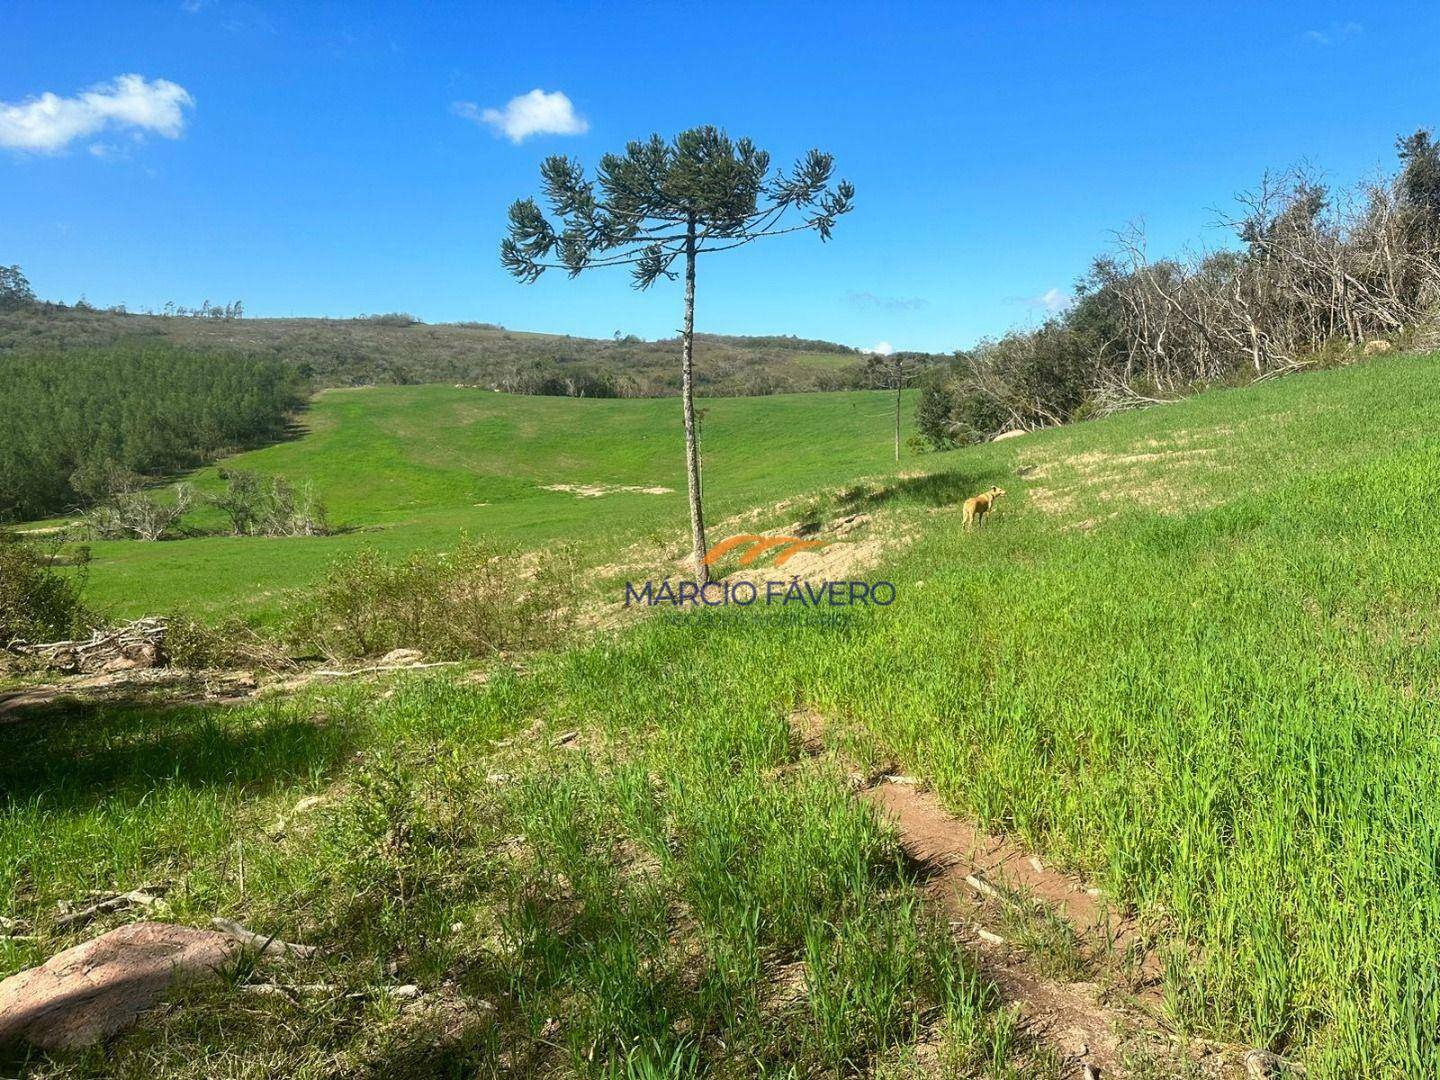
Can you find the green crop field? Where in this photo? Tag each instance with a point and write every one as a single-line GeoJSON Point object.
{"type": "Point", "coordinates": [406, 468]}
{"type": "Point", "coordinates": [1193, 658]}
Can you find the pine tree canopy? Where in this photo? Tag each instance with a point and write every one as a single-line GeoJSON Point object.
{"type": "Point", "coordinates": [644, 205]}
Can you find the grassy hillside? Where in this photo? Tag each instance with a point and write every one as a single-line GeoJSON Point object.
{"type": "Point", "coordinates": [395, 350]}
{"type": "Point", "coordinates": [411, 467]}
{"type": "Point", "coordinates": [1193, 658]}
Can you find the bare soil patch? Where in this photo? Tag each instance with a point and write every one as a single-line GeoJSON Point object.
{"type": "Point", "coordinates": [1084, 483]}
{"type": "Point", "coordinates": [595, 491]}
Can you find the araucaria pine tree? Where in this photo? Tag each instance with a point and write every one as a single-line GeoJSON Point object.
{"type": "Point", "coordinates": [660, 203]}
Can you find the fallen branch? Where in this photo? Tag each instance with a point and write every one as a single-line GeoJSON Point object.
{"type": "Point", "coordinates": [267, 946]}
{"type": "Point", "coordinates": [141, 628]}
{"type": "Point", "coordinates": [140, 643]}
{"type": "Point", "coordinates": [136, 897]}
{"type": "Point", "coordinates": [1289, 368]}
{"type": "Point", "coordinates": [290, 990]}
{"type": "Point", "coordinates": [335, 674]}
{"type": "Point", "coordinates": [299, 990]}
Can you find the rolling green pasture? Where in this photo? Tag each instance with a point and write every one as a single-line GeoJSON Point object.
{"type": "Point", "coordinates": [1194, 656]}
{"type": "Point", "coordinates": [403, 468]}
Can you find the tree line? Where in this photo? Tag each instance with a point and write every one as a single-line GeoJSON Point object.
{"type": "Point", "coordinates": [396, 348]}
{"type": "Point", "coordinates": [1312, 272]}
{"type": "Point", "coordinates": [73, 420]}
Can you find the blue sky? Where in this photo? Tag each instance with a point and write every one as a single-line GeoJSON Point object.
{"type": "Point", "coordinates": [334, 159]}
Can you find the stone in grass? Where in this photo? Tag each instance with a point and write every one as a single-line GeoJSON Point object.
{"type": "Point", "coordinates": [91, 991]}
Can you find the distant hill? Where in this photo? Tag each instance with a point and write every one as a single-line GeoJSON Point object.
{"type": "Point", "coordinates": [396, 349]}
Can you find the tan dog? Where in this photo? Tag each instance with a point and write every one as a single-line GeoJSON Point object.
{"type": "Point", "coordinates": [978, 506]}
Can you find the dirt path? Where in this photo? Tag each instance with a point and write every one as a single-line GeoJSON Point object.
{"type": "Point", "coordinates": [159, 686]}
{"type": "Point", "coordinates": [974, 877]}
{"type": "Point", "coordinates": [1080, 974]}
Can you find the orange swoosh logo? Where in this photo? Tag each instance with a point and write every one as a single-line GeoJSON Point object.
{"type": "Point", "coordinates": [759, 545]}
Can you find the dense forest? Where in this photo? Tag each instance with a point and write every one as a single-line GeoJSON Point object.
{"type": "Point", "coordinates": [72, 419]}
{"type": "Point", "coordinates": [1308, 275]}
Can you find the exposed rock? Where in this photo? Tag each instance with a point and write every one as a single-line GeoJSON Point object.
{"type": "Point", "coordinates": [847, 525]}
{"type": "Point", "coordinates": [84, 994]}
{"type": "Point", "coordinates": [402, 656]}
{"type": "Point", "coordinates": [1013, 433]}
{"type": "Point", "coordinates": [1263, 1065]}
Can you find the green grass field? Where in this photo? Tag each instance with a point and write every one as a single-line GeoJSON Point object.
{"type": "Point", "coordinates": [1193, 656]}
{"type": "Point", "coordinates": [404, 468]}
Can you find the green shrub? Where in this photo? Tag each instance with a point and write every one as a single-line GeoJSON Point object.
{"type": "Point", "coordinates": [230, 642]}
{"type": "Point", "coordinates": [932, 416]}
{"type": "Point", "coordinates": [474, 601]}
{"type": "Point", "coordinates": [36, 602]}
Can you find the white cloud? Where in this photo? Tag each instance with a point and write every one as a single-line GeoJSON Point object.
{"type": "Point", "coordinates": [881, 348]}
{"type": "Point", "coordinates": [887, 303]}
{"type": "Point", "coordinates": [49, 123]}
{"type": "Point", "coordinates": [1336, 33]}
{"type": "Point", "coordinates": [535, 113]}
{"type": "Point", "coordinates": [1051, 301]}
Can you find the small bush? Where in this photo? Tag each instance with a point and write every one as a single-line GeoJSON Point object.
{"type": "Point", "coordinates": [270, 506]}
{"type": "Point", "coordinates": [36, 602]}
{"type": "Point", "coordinates": [134, 514]}
{"type": "Point", "coordinates": [474, 601]}
{"type": "Point", "coordinates": [229, 643]}
{"type": "Point", "coordinates": [392, 318]}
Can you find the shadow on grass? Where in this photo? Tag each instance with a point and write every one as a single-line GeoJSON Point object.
{"type": "Point", "coordinates": [72, 754]}
{"type": "Point", "coordinates": [950, 488]}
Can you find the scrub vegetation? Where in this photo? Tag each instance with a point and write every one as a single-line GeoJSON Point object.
{"type": "Point", "coordinates": [401, 350]}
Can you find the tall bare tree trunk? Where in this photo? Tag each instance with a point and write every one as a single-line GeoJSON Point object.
{"type": "Point", "coordinates": [897, 416]}
{"type": "Point", "coordinates": [687, 398]}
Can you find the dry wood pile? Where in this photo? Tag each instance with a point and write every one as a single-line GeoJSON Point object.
{"type": "Point", "coordinates": [140, 644]}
